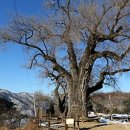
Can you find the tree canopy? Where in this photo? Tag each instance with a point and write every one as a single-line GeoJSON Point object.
{"type": "Point", "coordinates": [81, 45]}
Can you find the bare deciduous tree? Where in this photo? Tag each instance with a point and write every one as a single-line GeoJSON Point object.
{"type": "Point", "coordinates": [86, 43]}
{"type": "Point", "coordinates": [43, 102]}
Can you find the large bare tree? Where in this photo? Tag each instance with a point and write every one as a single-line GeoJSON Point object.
{"type": "Point", "coordinates": [83, 43]}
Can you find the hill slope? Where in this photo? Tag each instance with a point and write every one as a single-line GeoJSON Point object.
{"type": "Point", "coordinates": [110, 101]}
{"type": "Point", "coordinates": [24, 101]}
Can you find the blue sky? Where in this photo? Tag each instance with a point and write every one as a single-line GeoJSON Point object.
{"type": "Point", "coordinates": [13, 76]}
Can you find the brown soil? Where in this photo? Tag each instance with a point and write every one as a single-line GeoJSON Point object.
{"type": "Point", "coordinates": [83, 126]}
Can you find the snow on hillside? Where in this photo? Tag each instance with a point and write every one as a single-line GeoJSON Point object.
{"type": "Point", "coordinates": [24, 101]}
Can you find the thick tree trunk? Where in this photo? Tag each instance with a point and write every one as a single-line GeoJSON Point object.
{"type": "Point", "coordinates": [85, 101]}
{"type": "Point", "coordinates": [74, 99]}
{"type": "Point", "coordinates": [84, 88]}
{"type": "Point", "coordinates": [84, 105]}
{"type": "Point", "coordinates": [70, 101]}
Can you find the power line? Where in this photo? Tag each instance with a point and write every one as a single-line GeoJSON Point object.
{"type": "Point", "coordinates": [15, 8]}
{"type": "Point", "coordinates": [24, 59]}
{"type": "Point", "coordinates": [22, 48]}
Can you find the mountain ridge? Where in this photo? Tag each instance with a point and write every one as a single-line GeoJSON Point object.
{"type": "Point", "coordinates": [24, 101]}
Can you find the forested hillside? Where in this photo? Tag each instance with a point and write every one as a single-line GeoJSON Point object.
{"type": "Point", "coordinates": [113, 102]}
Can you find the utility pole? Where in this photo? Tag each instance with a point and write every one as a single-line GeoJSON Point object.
{"type": "Point", "coordinates": [34, 105]}
{"type": "Point", "coordinates": [110, 103]}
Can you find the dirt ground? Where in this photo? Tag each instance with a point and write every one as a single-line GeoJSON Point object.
{"type": "Point", "coordinates": [84, 126]}
{"type": "Point", "coordinates": [98, 126]}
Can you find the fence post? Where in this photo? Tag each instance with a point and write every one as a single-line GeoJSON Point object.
{"type": "Point", "coordinates": [74, 124]}
{"type": "Point", "coordinates": [66, 126]}
{"type": "Point", "coordinates": [48, 123]}
{"type": "Point", "coordinates": [78, 122]}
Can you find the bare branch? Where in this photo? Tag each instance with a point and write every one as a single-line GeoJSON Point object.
{"type": "Point", "coordinates": [117, 71]}
{"type": "Point", "coordinates": [109, 54]}
{"type": "Point", "coordinates": [34, 59]}
{"type": "Point", "coordinates": [98, 85]}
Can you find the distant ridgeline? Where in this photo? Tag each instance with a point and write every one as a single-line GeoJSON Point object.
{"type": "Point", "coordinates": [23, 101]}
{"type": "Point", "coordinates": [113, 102]}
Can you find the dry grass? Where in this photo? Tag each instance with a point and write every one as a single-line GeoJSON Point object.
{"type": "Point", "coordinates": [97, 126]}
{"type": "Point", "coordinates": [3, 128]}
{"type": "Point", "coordinates": [83, 126]}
